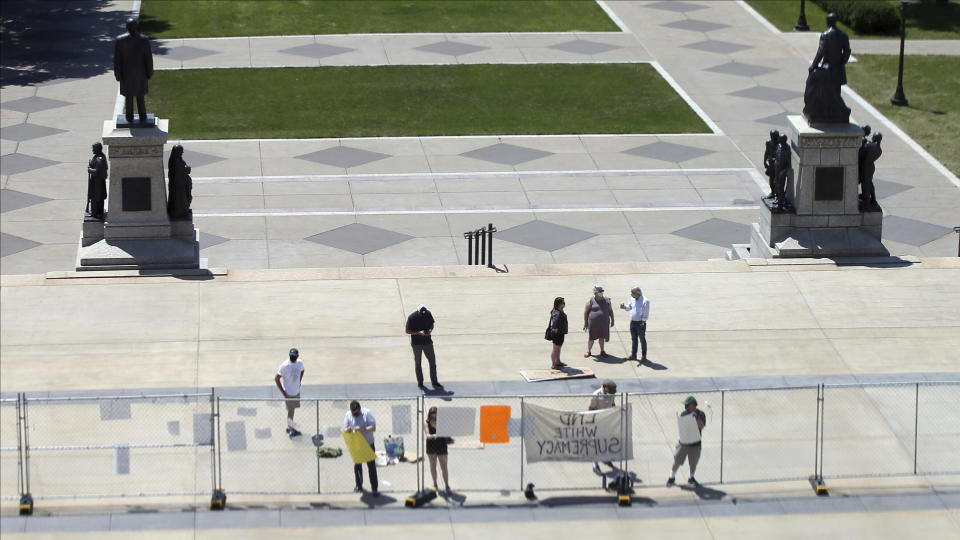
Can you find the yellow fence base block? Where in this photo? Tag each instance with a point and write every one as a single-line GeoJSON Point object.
{"type": "Point", "coordinates": [26, 505]}
{"type": "Point", "coordinates": [219, 499]}
{"type": "Point", "coordinates": [818, 485]}
{"type": "Point", "coordinates": [421, 498]}
{"type": "Point", "coordinates": [624, 500]}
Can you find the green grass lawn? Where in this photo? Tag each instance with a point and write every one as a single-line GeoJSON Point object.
{"type": "Point", "coordinates": [930, 84]}
{"type": "Point", "coordinates": [163, 19]}
{"type": "Point", "coordinates": [925, 20]}
{"type": "Point", "coordinates": [365, 101]}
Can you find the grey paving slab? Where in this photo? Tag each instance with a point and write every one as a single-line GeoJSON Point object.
{"type": "Point", "coordinates": [20, 163]}
{"type": "Point", "coordinates": [359, 238]}
{"type": "Point", "coordinates": [583, 46]}
{"type": "Point", "coordinates": [195, 158]}
{"type": "Point", "coordinates": [675, 6]}
{"type": "Point", "coordinates": [27, 131]}
{"type": "Point", "coordinates": [10, 244]}
{"type": "Point", "coordinates": [741, 69]}
{"type": "Point", "coordinates": [317, 50]}
{"type": "Point", "coordinates": [767, 93]}
{"type": "Point", "coordinates": [888, 188]}
{"type": "Point", "coordinates": [34, 104]}
{"type": "Point", "coordinates": [718, 46]}
{"type": "Point", "coordinates": [912, 231]}
{"type": "Point", "coordinates": [187, 52]}
{"type": "Point", "coordinates": [67, 524]}
{"type": "Point", "coordinates": [451, 48]}
{"type": "Point", "coordinates": [779, 119]}
{"type": "Point", "coordinates": [695, 25]}
{"type": "Point", "coordinates": [14, 200]}
{"type": "Point", "coordinates": [343, 156]}
{"type": "Point", "coordinates": [235, 519]}
{"type": "Point", "coordinates": [544, 235]}
{"type": "Point", "coordinates": [506, 154]}
{"type": "Point", "coordinates": [150, 521]}
{"type": "Point", "coordinates": [210, 240]}
{"type": "Point", "coordinates": [667, 151]}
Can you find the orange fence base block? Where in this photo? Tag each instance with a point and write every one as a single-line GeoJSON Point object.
{"type": "Point", "coordinates": [493, 424]}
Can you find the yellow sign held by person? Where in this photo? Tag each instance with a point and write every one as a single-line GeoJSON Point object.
{"type": "Point", "coordinates": [358, 446]}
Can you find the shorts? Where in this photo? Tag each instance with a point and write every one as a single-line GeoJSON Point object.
{"type": "Point", "coordinates": [558, 340]}
{"type": "Point", "coordinates": [683, 451]}
{"type": "Point", "coordinates": [293, 403]}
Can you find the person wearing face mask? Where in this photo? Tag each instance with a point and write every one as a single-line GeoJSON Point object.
{"type": "Point", "coordinates": [556, 331]}
{"type": "Point", "coordinates": [639, 308]}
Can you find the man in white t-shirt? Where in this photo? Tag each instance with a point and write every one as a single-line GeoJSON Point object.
{"type": "Point", "coordinates": [288, 380]}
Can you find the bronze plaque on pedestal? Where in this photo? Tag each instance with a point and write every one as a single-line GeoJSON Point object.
{"type": "Point", "coordinates": [828, 184]}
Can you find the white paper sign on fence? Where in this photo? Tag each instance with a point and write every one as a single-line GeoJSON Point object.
{"type": "Point", "coordinates": [577, 435]}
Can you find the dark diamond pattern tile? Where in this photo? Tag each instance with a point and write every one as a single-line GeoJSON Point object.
{"type": "Point", "coordinates": [26, 132]}
{"type": "Point", "coordinates": [15, 200]}
{"type": "Point", "coordinates": [194, 158]}
{"type": "Point", "coordinates": [665, 151]}
{"type": "Point", "coordinates": [716, 46]}
{"type": "Point", "coordinates": [359, 238]}
{"type": "Point", "coordinates": [544, 235]}
{"type": "Point", "coordinates": [912, 231]}
{"type": "Point", "coordinates": [779, 119]}
{"type": "Point", "coordinates": [187, 52]}
{"type": "Point", "coordinates": [34, 104]}
{"type": "Point", "coordinates": [317, 50]}
{"type": "Point", "coordinates": [675, 6]}
{"type": "Point", "coordinates": [451, 48]}
{"type": "Point", "coordinates": [583, 46]}
{"type": "Point", "coordinates": [767, 93]}
{"type": "Point", "coordinates": [20, 163]}
{"type": "Point", "coordinates": [695, 25]}
{"type": "Point", "coordinates": [740, 69]}
{"type": "Point", "coordinates": [506, 154]}
{"type": "Point", "coordinates": [886, 188]}
{"type": "Point", "coordinates": [210, 240]}
{"type": "Point", "coordinates": [10, 244]}
{"type": "Point", "coordinates": [719, 232]}
{"type": "Point", "coordinates": [343, 156]}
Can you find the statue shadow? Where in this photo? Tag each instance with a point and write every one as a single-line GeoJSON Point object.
{"type": "Point", "coordinates": [705, 493]}
{"type": "Point", "coordinates": [46, 42]}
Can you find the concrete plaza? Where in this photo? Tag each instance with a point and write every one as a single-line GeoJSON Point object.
{"type": "Point", "coordinates": [327, 245]}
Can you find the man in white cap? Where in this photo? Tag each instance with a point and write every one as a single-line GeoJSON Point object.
{"type": "Point", "coordinates": [419, 328]}
{"type": "Point", "coordinates": [288, 379]}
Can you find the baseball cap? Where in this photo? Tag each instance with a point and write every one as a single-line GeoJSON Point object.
{"type": "Point", "coordinates": [690, 400]}
{"type": "Point", "coordinates": [294, 353]}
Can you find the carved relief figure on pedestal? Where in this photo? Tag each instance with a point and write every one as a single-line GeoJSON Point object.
{"type": "Point", "coordinates": [133, 67]}
{"type": "Point", "coordinates": [180, 186]}
{"type": "Point", "coordinates": [770, 158]}
{"type": "Point", "coordinates": [822, 102]}
{"type": "Point", "coordinates": [868, 156]}
{"type": "Point", "coordinates": [783, 170]}
{"type": "Point", "coordinates": [96, 182]}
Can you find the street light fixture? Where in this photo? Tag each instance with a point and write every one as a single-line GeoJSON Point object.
{"type": "Point", "coordinates": [899, 99]}
{"type": "Point", "coordinates": [801, 25]}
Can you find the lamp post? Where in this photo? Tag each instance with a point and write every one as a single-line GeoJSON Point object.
{"type": "Point", "coordinates": [898, 98]}
{"type": "Point", "coordinates": [802, 19]}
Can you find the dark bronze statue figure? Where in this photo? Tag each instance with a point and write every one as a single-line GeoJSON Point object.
{"type": "Point", "coordinates": [133, 67]}
{"type": "Point", "coordinates": [180, 185]}
{"type": "Point", "coordinates": [96, 182]}
{"type": "Point", "coordinates": [783, 168]}
{"type": "Point", "coordinates": [822, 102]}
{"type": "Point", "coordinates": [769, 159]}
{"type": "Point", "coordinates": [868, 157]}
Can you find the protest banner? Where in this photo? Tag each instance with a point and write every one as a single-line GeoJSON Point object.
{"type": "Point", "coordinates": [602, 435]}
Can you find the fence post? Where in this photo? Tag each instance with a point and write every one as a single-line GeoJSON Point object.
{"type": "Point", "coordinates": [469, 236]}
{"type": "Point", "coordinates": [213, 447]}
{"type": "Point", "coordinates": [490, 231]}
{"type": "Point", "coordinates": [916, 422]}
{"type": "Point", "coordinates": [823, 421]}
{"type": "Point", "coordinates": [26, 497]}
{"type": "Point", "coordinates": [421, 436]}
{"type": "Point", "coordinates": [483, 246]}
{"type": "Point", "coordinates": [521, 443]}
{"type": "Point", "coordinates": [723, 394]}
{"type": "Point", "coordinates": [476, 247]}
{"type": "Point", "coordinates": [219, 498]}
{"type": "Point", "coordinates": [317, 403]}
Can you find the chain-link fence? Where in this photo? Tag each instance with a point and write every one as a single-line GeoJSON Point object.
{"type": "Point", "coordinates": [258, 456]}
{"type": "Point", "coordinates": [192, 444]}
{"type": "Point", "coordinates": [119, 446]}
{"type": "Point", "coordinates": [10, 455]}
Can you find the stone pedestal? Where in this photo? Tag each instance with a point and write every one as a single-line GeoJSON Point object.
{"type": "Point", "coordinates": [136, 231]}
{"type": "Point", "coordinates": [825, 219]}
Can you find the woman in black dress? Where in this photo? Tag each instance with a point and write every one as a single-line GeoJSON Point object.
{"type": "Point", "coordinates": [436, 449]}
{"type": "Point", "coordinates": [558, 328]}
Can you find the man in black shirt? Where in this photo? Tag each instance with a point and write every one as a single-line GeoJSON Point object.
{"type": "Point", "coordinates": [419, 327]}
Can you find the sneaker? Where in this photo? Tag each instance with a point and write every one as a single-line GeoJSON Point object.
{"type": "Point", "coordinates": [596, 469]}
{"type": "Point", "coordinates": [671, 481]}
{"type": "Point", "coordinates": [448, 491]}
{"type": "Point", "coordinates": [692, 481]}
{"type": "Point", "coordinates": [357, 489]}
{"type": "Point", "coordinates": [294, 433]}
{"type": "Point", "coordinates": [375, 493]}
{"type": "Point", "coordinates": [437, 386]}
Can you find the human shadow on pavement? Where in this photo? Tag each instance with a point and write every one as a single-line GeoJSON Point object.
{"type": "Point", "coordinates": [438, 393]}
{"type": "Point", "coordinates": [705, 493]}
{"type": "Point", "coordinates": [374, 501]}
{"type": "Point", "coordinates": [582, 500]}
{"type": "Point", "coordinates": [454, 497]}
{"type": "Point", "coordinates": [608, 359]}
{"type": "Point", "coordinates": [653, 365]}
